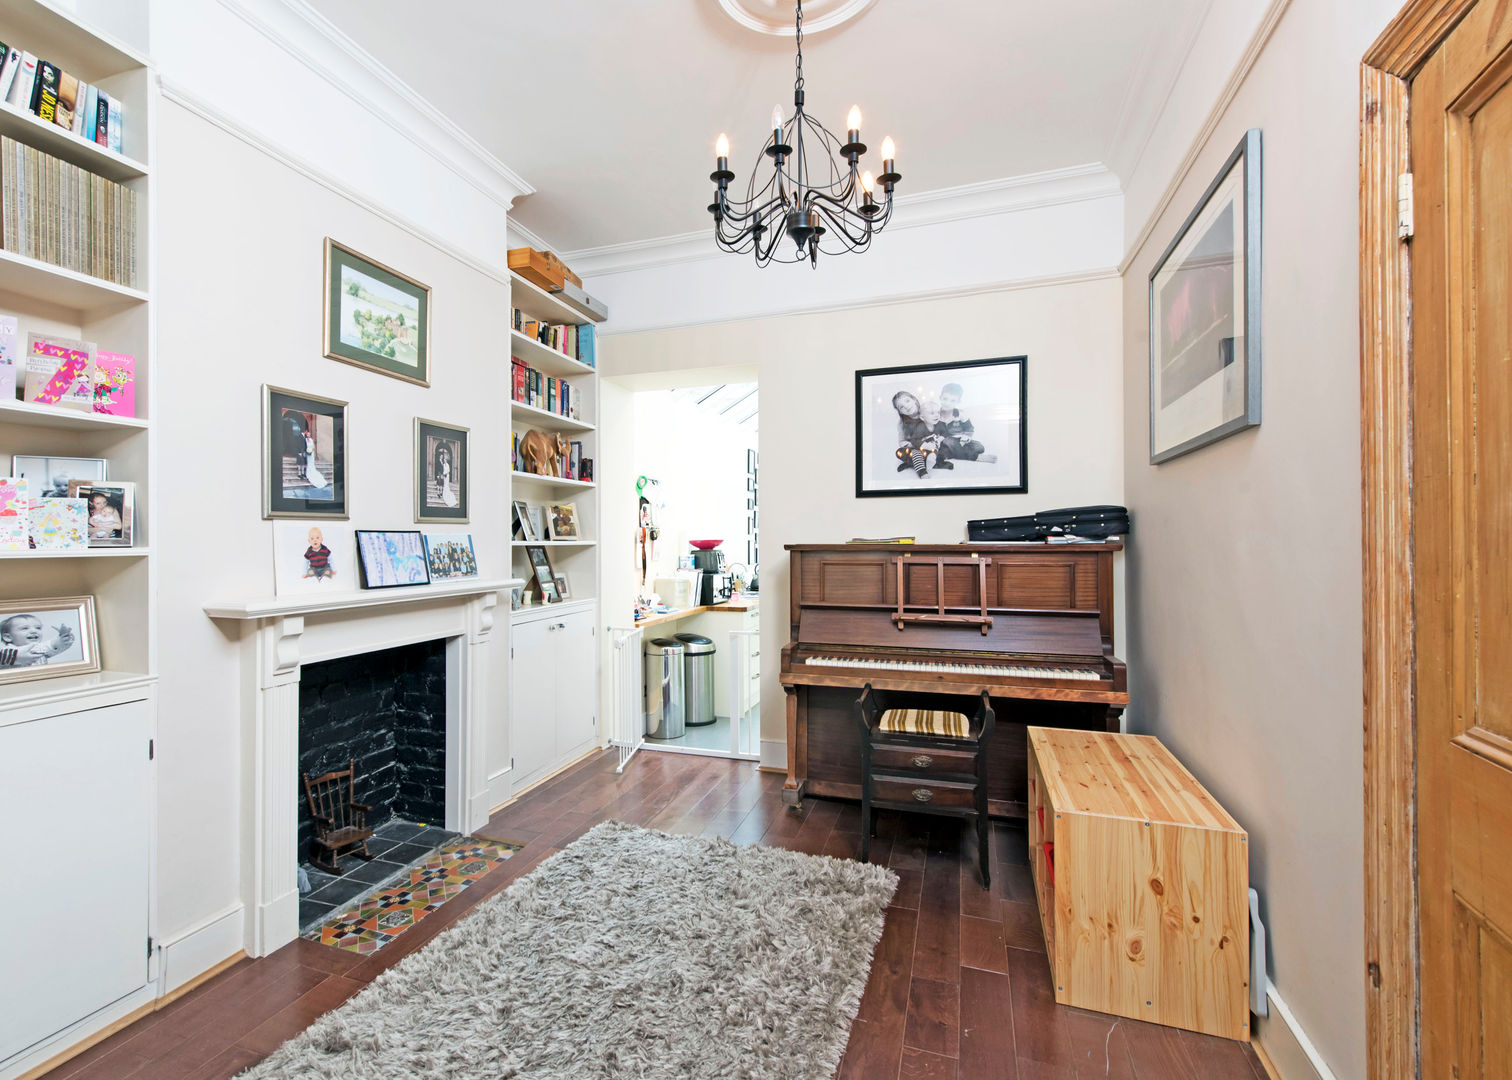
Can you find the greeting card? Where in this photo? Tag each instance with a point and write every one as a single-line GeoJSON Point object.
{"type": "Point", "coordinates": [60, 372]}
{"type": "Point", "coordinates": [59, 524]}
{"type": "Point", "coordinates": [115, 384]}
{"type": "Point", "coordinates": [15, 513]}
{"type": "Point", "coordinates": [9, 367]}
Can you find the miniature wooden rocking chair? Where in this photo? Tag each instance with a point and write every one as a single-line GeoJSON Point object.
{"type": "Point", "coordinates": [340, 821]}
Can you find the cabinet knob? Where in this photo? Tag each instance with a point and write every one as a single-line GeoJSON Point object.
{"type": "Point", "coordinates": [922, 761]}
{"type": "Point", "coordinates": [922, 794]}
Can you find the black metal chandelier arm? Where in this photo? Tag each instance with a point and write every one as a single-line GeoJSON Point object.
{"type": "Point", "coordinates": [843, 222]}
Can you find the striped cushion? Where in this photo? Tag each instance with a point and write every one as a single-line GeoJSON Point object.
{"type": "Point", "coordinates": [926, 722]}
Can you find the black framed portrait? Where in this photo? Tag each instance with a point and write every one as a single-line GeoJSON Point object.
{"type": "Point", "coordinates": [956, 428]}
{"type": "Point", "coordinates": [304, 455]}
{"type": "Point", "coordinates": [441, 468]}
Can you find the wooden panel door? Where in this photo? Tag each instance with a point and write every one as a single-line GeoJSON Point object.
{"type": "Point", "coordinates": [76, 797]}
{"type": "Point", "coordinates": [1462, 560]}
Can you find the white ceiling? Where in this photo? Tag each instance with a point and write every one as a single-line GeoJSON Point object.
{"type": "Point", "coordinates": [610, 107]}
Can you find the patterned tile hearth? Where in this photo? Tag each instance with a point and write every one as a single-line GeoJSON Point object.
{"type": "Point", "coordinates": [380, 917]}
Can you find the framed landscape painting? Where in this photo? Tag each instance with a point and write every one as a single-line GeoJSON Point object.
{"type": "Point", "coordinates": [304, 455]}
{"type": "Point", "coordinates": [943, 429]}
{"type": "Point", "coordinates": [1205, 315]}
{"type": "Point", "coordinates": [376, 317]}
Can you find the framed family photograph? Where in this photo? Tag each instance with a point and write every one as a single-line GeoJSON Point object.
{"type": "Point", "coordinates": [312, 558]}
{"type": "Point", "coordinates": [1205, 315]}
{"type": "Point", "coordinates": [304, 455]}
{"type": "Point", "coordinates": [441, 468]}
{"type": "Point", "coordinates": [562, 522]}
{"type": "Point", "coordinates": [376, 317]}
{"type": "Point", "coordinates": [111, 508]}
{"type": "Point", "coordinates": [50, 476]}
{"type": "Point", "coordinates": [42, 639]}
{"type": "Point", "coordinates": [943, 429]}
{"type": "Point", "coordinates": [450, 556]}
{"type": "Point", "coordinates": [389, 559]}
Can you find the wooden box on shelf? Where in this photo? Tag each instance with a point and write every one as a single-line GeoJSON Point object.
{"type": "Point", "coordinates": [540, 268]}
{"type": "Point", "coordinates": [1142, 881]}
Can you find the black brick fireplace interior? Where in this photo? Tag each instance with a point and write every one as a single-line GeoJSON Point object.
{"type": "Point", "coordinates": [386, 710]}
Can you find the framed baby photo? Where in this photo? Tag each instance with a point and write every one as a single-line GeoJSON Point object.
{"type": "Point", "coordinates": [1205, 315]}
{"type": "Point", "coordinates": [450, 556]}
{"type": "Point", "coordinates": [111, 507]}
{"type": "Point", "coordinates": [376, 317]}
{"type": "Point", "coordinates": [959, 428]}
{"type": "Point", "coordinates": [562, 522]}
{"type": "Point", "coordinates": [304, 465]}
{"type": "Point", "coordinates": [441, 468]}
{"type": "Point", "coordinates": [42, 639]}
{"type": "Point", "coordinates": [313, 557]}
{"type": "Point", "coordinates": [49, 476]}
{"type": "Point", "coordinates": [389, 559]}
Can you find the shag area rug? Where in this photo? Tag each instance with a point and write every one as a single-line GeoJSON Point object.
{"type": "Point", "coordinates": [631, 955]}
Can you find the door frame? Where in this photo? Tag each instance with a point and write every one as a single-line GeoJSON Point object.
{"type": "Point", "coordinates": [1393, 992]}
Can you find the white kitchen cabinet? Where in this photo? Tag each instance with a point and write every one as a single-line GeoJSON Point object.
{"type": "Point", "coordinates": [553, 689]}
{"type": "Point", "coordinates": [76, 796]}
{"type": "Point", "coordinates": [716, 624]}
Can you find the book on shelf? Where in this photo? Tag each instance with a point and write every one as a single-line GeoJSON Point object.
{"type": "Point", "coordinates": [20, 94]}
{"type": "Point", "coordinates": [567, 339]}
{"type": "Point", "coordinates": [542, 391]}
{"type": "Point", "coordinates": [59, 97]}
{"type": "Point", "coordinates": [45, 93]}
{"type": "Point", "coordinates": [59, 213]}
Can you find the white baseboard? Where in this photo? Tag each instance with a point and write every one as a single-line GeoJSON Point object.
{"type": "Point", "coordinates": [201, 947]}
{"type": "Point", "coordinates": [1291, 1052]}
{"type": "Point", "coordinates": [774, 754]}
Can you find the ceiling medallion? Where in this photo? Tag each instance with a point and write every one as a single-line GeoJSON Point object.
{"type": "Point", "coordinates": [832, 209]}
{"type": "Point", "coordinates": [770, 17]}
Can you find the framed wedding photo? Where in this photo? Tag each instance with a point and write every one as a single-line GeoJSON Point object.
{"type": "Point", "coordinates": [958, 428]}
{"type": "Point", "coordinates": [390, 559]}
{"type": "Point", "coordinates": [376, 317]}
{"type": "Point", "coordinates": [304, 463]}
{"type": "Point", "coordinates": [441, 468]}
{"type": "Point", "coordinates": [1205, 315]}
{"type": "Point", "coordinates": [42, 639]}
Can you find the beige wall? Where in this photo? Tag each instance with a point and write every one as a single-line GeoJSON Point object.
{"type": "Point", "coordinates": [239, 304]}
{"type": "Point", "coordinates": [1244, 573]}
{"type": "Point", "coordinates": [806, 369]}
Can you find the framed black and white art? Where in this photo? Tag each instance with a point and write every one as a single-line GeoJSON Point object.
{"type": "Point", "coordinates": [1205, 315]}
{"type": "Point", "coordinates": [943, 429]}
{"type": "Point", "coordinates": [304, 455]}
{"type": "Point", "coordinates": [441, 472]}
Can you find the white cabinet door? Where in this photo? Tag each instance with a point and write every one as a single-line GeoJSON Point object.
{"type": "Point", "coordinates": [533, 694]}
{"type": "Point", "coordinates": [75, 796]}
{"type": "Point", "coordinates": [576, 680]}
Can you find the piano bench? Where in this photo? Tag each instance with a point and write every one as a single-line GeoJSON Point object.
{"type": "Point", "coordinates": [920, 754]}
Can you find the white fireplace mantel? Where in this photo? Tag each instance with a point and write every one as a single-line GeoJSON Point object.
{"type": "Point", "coordinates": [277, 637]}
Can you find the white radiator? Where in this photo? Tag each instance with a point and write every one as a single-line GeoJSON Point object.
{"type": "Point", "coordinates": [629, 730]}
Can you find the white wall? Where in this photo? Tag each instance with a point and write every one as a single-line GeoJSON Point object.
{"type": "Point", "coordinates": [1244, 596]}
{"type": "Point", "coordinates": [699, 462]}
{"type": "Point", "coordinates": [806, 367]}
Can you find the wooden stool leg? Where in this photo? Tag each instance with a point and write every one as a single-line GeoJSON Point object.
{"type": "Point", "coordinates": [868, 819]}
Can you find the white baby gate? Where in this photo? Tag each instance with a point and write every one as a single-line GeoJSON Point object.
{"type": "Point", "coordinates": [629, 732]}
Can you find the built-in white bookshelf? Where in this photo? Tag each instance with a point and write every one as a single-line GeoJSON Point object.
{"type": "Point", "coordinates": [578, 558]}
{"type": "Point", "coordinates": [53, 300]}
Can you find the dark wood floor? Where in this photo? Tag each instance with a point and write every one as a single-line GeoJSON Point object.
{"type": "Point", "coordinates": [959, 985]}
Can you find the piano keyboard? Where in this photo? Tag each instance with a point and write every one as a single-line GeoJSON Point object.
{"type": "Point", "coordinates": [1000, 670]}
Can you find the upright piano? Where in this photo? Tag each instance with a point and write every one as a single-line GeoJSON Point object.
{"type": "Point", "coordinates": [1031, 623]}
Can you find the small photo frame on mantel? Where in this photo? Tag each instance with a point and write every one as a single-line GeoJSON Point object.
{"type": "Point", "coordinates": [441, 472]}
{"type": "Point", "coordinates": [376, 317]}
{"type": "Point", "coordinates": [1204, 307]}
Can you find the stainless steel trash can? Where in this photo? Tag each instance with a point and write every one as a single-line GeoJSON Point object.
{"type": "Point", "coordinates": [698, 678]}
{"type": "Point", "coordinates": [665, 708]}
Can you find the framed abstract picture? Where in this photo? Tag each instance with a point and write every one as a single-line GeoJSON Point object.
{"type": "Point", "coordinates": [304, 455]}
{"type": "Point", "coordinates": [1205, 315]}
{"type": "Point", "coordinates": [942, 429]}
{"type": "Point", "coordinates": [441, 468]}
{"type": "Point", "coordinates": [376, 317]}
{"type": "Point", "coordinates": [389, 559]}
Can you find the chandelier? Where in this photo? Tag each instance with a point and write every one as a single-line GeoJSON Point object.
{"type": "Point", "coordinates": [812, 191]}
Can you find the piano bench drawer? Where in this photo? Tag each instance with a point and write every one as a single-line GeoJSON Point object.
{"type": "Point", "coordinates": [903, 759]}
{"type": "Point", "coordinates": [922, 792]}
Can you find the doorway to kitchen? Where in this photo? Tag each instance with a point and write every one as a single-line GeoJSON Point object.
{"type": "Point", "coordinates": [689, 507]}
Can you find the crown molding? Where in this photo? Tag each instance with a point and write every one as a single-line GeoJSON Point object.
{"type": "Point", "coordinates": [1042, 281]}
{"type": "Point", "coordinates": [191, 102]}
{"type": "Point", "coordinates": [1030, 191]}
{"type": "Point", "coordinates": [1140, 113]}
{"type": "Point", "coordinates": [784, 27]}
{"type": "Point", "coordinates": [319, 45]}
{"type": "Point", "coordinates": [1256, 45]}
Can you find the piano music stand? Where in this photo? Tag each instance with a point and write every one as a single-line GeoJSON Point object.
{"type": "Point", "coordinates": [902, 617]}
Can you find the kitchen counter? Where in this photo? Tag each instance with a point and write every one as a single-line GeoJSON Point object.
{"type": "Point", "coordinates": [742, 602]}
